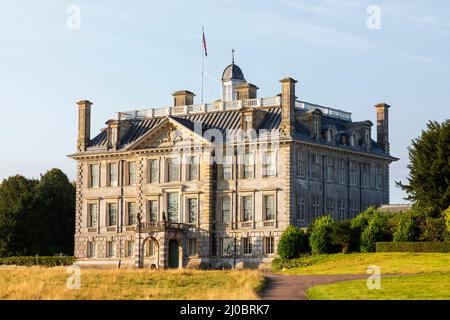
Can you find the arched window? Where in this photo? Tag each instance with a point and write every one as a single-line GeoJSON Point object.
{"type": "Point", "coordinates": [331, 135]}
{"type": "Point", "coordinates": [151, 247]}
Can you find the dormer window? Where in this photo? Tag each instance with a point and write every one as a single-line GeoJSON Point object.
{"type": "Point", "coordinates": [367, 137]}
{"type": "Point", "coordinates": [316, 127]}
{"type": "Point", "coordinates": [353, 139]}
{"type": "Point", "coordinates": [331, 135]}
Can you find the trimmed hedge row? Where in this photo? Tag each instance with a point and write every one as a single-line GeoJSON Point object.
{"type": "Point", "coordinates": [280, 264]}
{"type": "Point", "coordinates": [38, 261]}
{"type": "Point", "coordinates": [443, 247]}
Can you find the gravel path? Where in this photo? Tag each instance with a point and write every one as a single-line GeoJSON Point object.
{"type": "Point", "coordinates": [280, 287]}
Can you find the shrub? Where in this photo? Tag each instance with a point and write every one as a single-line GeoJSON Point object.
{"type": "Point", "coordinates": [406, 229]}
{"type": "Point", "coordinates": [358, 224]}
{"type": "Point", "coordinates": [432, 229]}
{"type": "Point", "coordinates": [344, 237]}
{"type": "Point", "coordinates": [320, 235]}
{"type": "Point", "coordinates": [443, 247]}
{"type": "Point", "coordinates": [37, 261]}
{"type": "Point", "coordinates": [280, 264]}
{"type": "Point", "coordinates": [376, 231]}
{"type": "Point", "coordinates": [446, 214]}
{"type": "Point", "coordinates": [292, 243]}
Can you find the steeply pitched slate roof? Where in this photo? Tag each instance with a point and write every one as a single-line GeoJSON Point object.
{"type": "Point", "coordinates": [222, 120]}
{"type": "Point", "coordinates": [229, 121]}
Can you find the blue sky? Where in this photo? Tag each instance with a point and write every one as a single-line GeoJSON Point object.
{"type": "Point", "coordinates": [134, 54]}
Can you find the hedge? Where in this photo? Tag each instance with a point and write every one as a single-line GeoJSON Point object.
{"type": "Point", "coordinates": [443, 247]}
{"type": "Point", "coordinates": [38, 261]}
{"type": "Point", "coordinates": [280, 264]}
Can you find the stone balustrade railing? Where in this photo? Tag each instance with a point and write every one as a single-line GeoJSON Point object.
{"type": "Point", "coordinates": [224, 106]}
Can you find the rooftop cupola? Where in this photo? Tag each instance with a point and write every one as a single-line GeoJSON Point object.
{"type": "Point", "coordinates": [232, 77]}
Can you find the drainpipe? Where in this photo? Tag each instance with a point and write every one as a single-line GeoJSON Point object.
{"type": "Point", "coordinates": [235, 204]}
{"type": "Point", "coordinates": [323, 185]}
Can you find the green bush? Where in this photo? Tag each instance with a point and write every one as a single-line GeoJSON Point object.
{"type": "Point", "coordinates": [443, 247]}
{"type": "Point", "coordinates": [406, 229]}
{"type": "Point", "coordinates": [358, 224]}
{"type": "Point", "coordinates": [344, 237]}
{"type": "Point", "coordinates": [280, 264]}
{"type": "Point", "coordinates": [320, 235]}
{"type": "Point", "coordinates": [446, 215]}
{"type": "Point", "coordinates": [432, 229]}
{"type": "Point", "coordinates": [37, 261]}
{"type": "Point", "coordinates": [292, 243]}
{"type": "Point", "coordinates": [376, 231]}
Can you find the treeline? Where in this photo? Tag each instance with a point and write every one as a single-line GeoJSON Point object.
{"type": "Point", "coordinates": [37, 215]}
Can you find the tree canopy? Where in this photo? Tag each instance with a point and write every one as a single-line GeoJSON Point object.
{"type": "Point", "coordinates": [429, 177]}
{"type": "Point", "coordinates": [37, 216]}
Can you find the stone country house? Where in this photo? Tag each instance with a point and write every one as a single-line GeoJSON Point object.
{"type": "Point", "coordinates": [214, 185]}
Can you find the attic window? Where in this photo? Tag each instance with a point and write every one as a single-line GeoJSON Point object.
{"type": "Point", "coordinates": [316, 126]}
{"type": "Point", "coordinates": [367, 137]}
{"type": "Point", "coordinates": [331, 135]}
{"type": "Point", "coordinates": [353, 139]}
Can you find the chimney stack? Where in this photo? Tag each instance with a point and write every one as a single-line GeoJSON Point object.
{"type": "Point", "coordinates": [383, 126]}
{"type": "Point", "coordinates": [183, 98]}
{"type": "Point", "coordinates": [246, 91]}
{"type": "Point", "coordinates": [287, 105]}
{"type": "Point", "coordinates": [84, 124]}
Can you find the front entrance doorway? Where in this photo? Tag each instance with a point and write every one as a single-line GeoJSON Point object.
{"type": "Point", "coordinates": [174, 256]}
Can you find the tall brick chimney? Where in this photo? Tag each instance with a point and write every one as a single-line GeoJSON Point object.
{"type": "Point", "coordinates": [383, 125]}
{"type": "Point", "coordinates": [84, 124]}
{"type": "Point", "coordinates": [287, 105]}
{"type": "Point", "coordinates": [183, 98]}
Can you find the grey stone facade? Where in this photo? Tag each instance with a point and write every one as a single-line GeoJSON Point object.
{"type": "Point", "coordinates": [141, 204]}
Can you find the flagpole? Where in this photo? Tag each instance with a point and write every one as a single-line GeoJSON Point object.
{"type": "Point", "coordinates": [203, 59]}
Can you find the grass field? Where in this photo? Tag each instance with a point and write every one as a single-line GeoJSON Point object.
{"type": "Point", "coordinates": [413, 287]}
{"type": "Point", "coordinates": [390, 263]}
{"type": "Point", "coordinates": [50, 283]}
{"type": "Point", "coordinates": [423, 275]}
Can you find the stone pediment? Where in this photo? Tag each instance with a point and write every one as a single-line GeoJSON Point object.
{"type": "Point", "coordinates": [169, 133]}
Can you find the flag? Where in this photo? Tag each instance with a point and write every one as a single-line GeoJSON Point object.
{"type": "Point", "coordinates": [204, 44]}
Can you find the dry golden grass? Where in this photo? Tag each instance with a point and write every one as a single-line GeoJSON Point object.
{"type": "Point", "coordinates": [38, 283]}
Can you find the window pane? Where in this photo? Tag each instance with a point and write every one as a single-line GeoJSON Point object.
{"type": "Point", "coordinates": [226, 210]}
{"type": "Point", "coordinates": [152, 211]}
{"type": "Point", "coordinates": [113, 174]}
{"type": "Point", "coordinates": [269, 164]}
{"type": "Point", "coordinates": [247, 204]}
{"type": "Point", "coordinates": [172, 206]}
{"type": "Point", "coordinates": [95, 175]}
{"type": "Point", "coordinates": [193, 168]}
{"type": "Point", "coordinates": [93, 213]}
{"type": "Point", "coordinates": [248, 165]}
{"type": "Point", "coordinates": [112, 214]}
{"type": "Point", "coordinates": [132, 173]}
{"type": "Point", "coordinates": [227, 246]}
{"type": "Point", "coordinates": [131, 213]}
{"type": "Point", "coordinates": [174, 169]}
{"type": "Point", "coordinates": [192, 206]}
{"type": "Point", "coordinates": [226, 168]}
{"type": "Point", "coordinates": [154, 171]}
{"type": "Point", "coordinates": [270, 207]}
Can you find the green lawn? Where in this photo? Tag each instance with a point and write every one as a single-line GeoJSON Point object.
{"type": "Point", "coordinates": [390, 263]}
{"type": "Point", "coordinates": [413, 287]}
